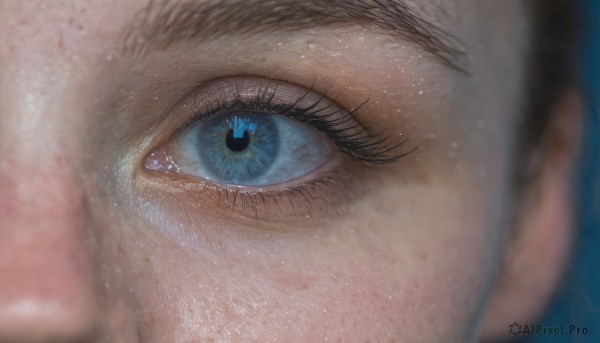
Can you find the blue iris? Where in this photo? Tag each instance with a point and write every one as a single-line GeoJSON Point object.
{"type": "Point", "coordinates": [239, 147]}
{"type": "Point", "coordinates": [251, 149]}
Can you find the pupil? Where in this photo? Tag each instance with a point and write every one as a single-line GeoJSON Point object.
{"type": "Point", "coordinates": [237, 144]}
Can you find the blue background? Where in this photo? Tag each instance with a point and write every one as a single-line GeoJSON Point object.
{"type": "Point", "coordinates": [578, 302]}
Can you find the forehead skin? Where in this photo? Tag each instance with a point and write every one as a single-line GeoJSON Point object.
{"type": "Point", "coordinates": [97, 252]}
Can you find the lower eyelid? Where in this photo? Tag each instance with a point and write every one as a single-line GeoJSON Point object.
{"type": "Point", "coordinates": [326, 193]}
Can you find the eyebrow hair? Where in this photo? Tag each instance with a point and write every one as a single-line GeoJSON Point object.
{"type": "Point", "coordinates": [159, 25]}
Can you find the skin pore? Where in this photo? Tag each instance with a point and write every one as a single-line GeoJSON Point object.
{"type": "Point", "coordinates": [96, 247]}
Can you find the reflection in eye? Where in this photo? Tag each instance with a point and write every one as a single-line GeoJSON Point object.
{"type": "Point", "coordinates": [253, 144]}
{"type": "Point", "coordinates": [251, 149]}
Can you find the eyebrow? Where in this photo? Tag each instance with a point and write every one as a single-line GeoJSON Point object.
{"type": "Point", "coordinates": [164, 23]}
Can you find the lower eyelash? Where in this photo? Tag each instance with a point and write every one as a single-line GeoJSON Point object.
{"type": "Point", "coordinates": [328, 194]}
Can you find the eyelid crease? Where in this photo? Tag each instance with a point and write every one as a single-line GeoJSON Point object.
{"type": "Point", "coordinates": [307, 106]}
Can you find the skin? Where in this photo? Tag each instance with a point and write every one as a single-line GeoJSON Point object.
{"type": "Point", "coordinates": [95, 248]}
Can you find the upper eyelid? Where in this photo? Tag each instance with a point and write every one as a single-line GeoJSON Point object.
{"type": "Point", "coordinates": [229, 95]}
{"type": "Point", "coordinates": [299, 103]}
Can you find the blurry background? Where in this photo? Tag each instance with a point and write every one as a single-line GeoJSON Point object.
{"type": "Point", "coordinates": [578, 301]}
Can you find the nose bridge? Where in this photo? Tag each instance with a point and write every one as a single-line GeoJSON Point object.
{"type": "Point", "coordinates": [47, 264]}
{"type": "Point", "coordinates": [39, 191]}
{"type": "Point", "coordinates": [37, 117]}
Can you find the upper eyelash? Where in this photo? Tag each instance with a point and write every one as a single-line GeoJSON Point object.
{"type": "Point", "coordinates": [358, 141]}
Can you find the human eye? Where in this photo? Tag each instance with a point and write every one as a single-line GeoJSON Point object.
{"type": "Point", "coordinates": [270, 149]}
{"type": "Point", "coordinates": [250, 148]}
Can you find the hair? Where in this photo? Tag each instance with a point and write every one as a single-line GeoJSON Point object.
{"type": "Point", "coordinates": [554, 62]}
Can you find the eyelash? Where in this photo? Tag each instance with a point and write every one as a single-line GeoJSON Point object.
{"type": "Point", "coordinates": [326, 192]}
{"type": "Point", "coordinates": [358, 141]}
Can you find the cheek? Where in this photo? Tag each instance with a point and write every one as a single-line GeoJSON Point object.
{"type": "Point", "coordinates": [349, 285]}
{"type": "Point", "coordinates": [416, 259]}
